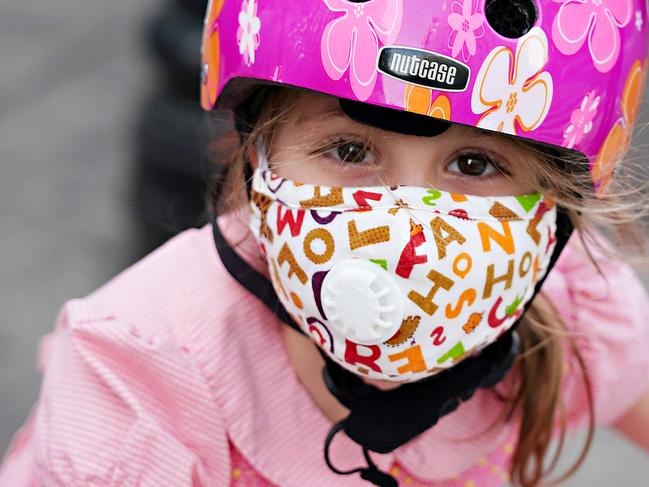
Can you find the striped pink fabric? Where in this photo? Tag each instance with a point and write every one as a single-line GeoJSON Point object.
{"type": "Point", "coordinates": [490, 471]}
{"type": "Point", "coordinates": [173, 375]}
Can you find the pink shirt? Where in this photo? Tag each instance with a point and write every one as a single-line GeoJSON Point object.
{"type": "Point", "coordinates": [172, 374]}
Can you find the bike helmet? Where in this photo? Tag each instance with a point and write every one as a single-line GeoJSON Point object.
{"type": "Point", "coordinates": [567, 73]}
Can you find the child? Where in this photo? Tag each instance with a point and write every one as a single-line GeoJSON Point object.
{"type": "Point", "coordinates": [389, 301]}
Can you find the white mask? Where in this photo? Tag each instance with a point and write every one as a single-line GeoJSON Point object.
{"type": "Point", "coordinates": [399, 283]}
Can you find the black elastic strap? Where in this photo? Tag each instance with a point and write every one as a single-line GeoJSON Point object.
{"type": "Point", "coordinates": [249, 278]}
{"type": "Point", "coordinates": [371, 473]}
{"type": "Point", "coordinates": [382, 421]}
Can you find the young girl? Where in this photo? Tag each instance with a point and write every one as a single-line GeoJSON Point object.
{"type": "Point", "coordinates": [371, 306]}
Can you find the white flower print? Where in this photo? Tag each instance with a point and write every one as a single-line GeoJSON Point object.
{"type": "Point", "coordinates": [639, 21]}
{"type": "Point", "coordinates": [512, 92]}
{"type": "Point", "coordinates": [248, 31]}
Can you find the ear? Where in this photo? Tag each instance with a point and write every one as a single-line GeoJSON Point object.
{"type": "Point", "coordinates": [252, 157]}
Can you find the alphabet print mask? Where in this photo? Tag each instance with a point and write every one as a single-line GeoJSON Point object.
{"type": "Point", "coordinates": [399, 283]}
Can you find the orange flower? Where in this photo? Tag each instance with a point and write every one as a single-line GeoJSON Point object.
{"type": "Point", "coordinates": [211, 55]}
{"type": "Point", "coordinates": [619, 138]}
{"type": "Point", "coordinates": [420, 100]}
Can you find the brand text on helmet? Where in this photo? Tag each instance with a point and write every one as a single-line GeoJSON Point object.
{"type": "Point", "coordinates": [424, 68]}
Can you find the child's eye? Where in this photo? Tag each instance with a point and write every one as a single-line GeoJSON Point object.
{"type": "Point", "coordinates": [349, 152]}
{"type": "Point", "coordinates": [473, 165]}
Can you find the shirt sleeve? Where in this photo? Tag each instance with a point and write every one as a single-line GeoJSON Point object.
{"type": "Point", "coordinates": [606, 309]}
{"type": "Point", "coordinates": [118, 407]}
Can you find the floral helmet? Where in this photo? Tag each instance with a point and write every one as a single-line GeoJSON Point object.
{"type": "Point", "coordinates": [568, 73]}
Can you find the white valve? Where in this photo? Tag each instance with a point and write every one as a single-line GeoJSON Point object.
{"type": "Point", "coordinates": [362, 301]}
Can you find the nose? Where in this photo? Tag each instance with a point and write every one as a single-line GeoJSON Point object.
{"type": "Point", "coordinates": [413, 161]}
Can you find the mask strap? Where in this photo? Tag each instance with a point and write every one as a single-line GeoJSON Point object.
{"type": "Point", "coordinates": [371, 473]}
{"type": "Point", "coordinates": [382, 421]}
{"type": "Point", "coordinates": [249, 278]}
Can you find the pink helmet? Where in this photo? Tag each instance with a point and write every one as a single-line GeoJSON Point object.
{"type": "Point", "coordinates": [568, 73]}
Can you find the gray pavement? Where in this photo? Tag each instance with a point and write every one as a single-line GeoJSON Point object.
{"type": "Point", "coordinates": [71, 74]}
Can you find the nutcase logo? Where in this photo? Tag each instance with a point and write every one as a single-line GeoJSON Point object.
{"type": "Point", "coordinates": [424, 68]}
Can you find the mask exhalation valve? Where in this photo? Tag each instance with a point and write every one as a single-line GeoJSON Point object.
{"type": "Point", "coordinates": [362, 301]}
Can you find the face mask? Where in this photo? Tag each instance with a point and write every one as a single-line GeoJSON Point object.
{"type": "Point", "coordinates": [399, 283]}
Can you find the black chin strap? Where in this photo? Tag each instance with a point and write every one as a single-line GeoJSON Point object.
{"type": "Point", "coordinates": [371, 473]}
{"type": "Point", "coordinates": [373, 421]}
{"type": "Point", "coordinates": [382, 421]}
{"type": "Point", "coordinates": [249, 278]}
{"type": "Point", "coordinates": [369, 422]}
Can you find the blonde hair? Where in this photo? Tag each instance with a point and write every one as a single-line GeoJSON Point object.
{"type": "Point", "coordinates": [533, 398]}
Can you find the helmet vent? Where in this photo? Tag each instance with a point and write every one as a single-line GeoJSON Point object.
{"type": "Point", "coordinates": [511, 18]}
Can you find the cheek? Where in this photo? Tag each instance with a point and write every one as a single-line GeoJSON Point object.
{"type": "Point", "coordinates": [289, 162]}
{"type": "Point", "coordinates": [318, 170]}
{"type": "Point", "coordinates": [303, 171]}
{"type": "Point", "coordinates": [522, 182]}
{"type": "Point", "coordinates": [496, 186]}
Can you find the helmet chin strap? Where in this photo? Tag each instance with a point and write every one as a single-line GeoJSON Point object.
{"type": "Point", "coordinates": [381, 421]}
{"type": "Point", "coordinates": [373, 421]}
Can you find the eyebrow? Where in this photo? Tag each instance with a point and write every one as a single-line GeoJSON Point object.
{"type": "Point", "coordinates": [479, 134]}
{"type": "Point", "coordinates": [333, 111]}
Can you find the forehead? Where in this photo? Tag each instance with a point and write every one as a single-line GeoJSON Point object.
{"type": "Point", "coordinates": [314, 110]}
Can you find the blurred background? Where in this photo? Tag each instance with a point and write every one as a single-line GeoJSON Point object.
{"type": "Point", "coordinates": [102, 147]}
